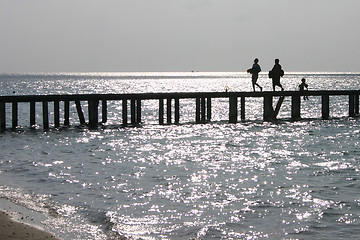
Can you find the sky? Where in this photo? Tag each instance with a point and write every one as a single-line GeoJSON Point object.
{"type": "Point", "coordinates": [178, 35]}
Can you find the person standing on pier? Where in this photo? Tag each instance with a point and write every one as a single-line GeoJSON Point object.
{"type": "Point", "coordinates": [275, 74]}
{"type": "Point", "coordinates": [303, 87]}
{"type": "Point", "coordinates": [255, 73]}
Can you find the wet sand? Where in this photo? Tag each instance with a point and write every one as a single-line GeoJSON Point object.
{"type": "Point", "coordinates": [10, 229]}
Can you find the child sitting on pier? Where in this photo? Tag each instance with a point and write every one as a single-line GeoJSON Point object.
{"type": "Point", "coordinates": [303, 87]}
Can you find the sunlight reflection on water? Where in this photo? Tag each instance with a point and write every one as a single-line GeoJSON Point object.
{"type": "Point", "coordinates": [208, 181]}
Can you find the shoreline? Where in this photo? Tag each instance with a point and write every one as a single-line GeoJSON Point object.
{"type": "Point", "coordinates": [12, 229]}
{"type": "Point", "coordinates": [18, 222]}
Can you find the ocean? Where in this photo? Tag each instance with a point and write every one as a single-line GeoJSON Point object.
{"type": "Point", "coordinates": [249, 180]}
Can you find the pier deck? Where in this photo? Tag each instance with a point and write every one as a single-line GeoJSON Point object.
{"type": "Point", "coordinates": [202, 113]}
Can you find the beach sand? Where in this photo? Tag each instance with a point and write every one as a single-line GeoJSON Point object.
{"type": "Point", "coordinates": [10, 229]}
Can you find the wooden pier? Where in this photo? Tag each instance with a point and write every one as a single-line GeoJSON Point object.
{"type": "Point", "coordinates": [202, 106]}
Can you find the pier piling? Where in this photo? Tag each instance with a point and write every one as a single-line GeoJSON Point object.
{"type": "Point", "coordinates": [168, 110]}
{"type": "Point", "coordinates": [352, 105]}
{"type": "Point", "coordinates": [198, 110]}
{"type": "Point", "coordinates": [161, 111]}
{"type": "Point", "coordinates": [268, 108]}
{"type": "Point", "coordinates": [45, 108]}
{"type": "Point", "coordinates": [325, 106]}
{"type": "Point", "coordinates": [208, 109]}
{"type": "Point", "coordinates": [104, 111]}
{"type": "Point", "coordinates": [56, 114]}
{"type": "Point", "coordinates": [93, 113]}
{"type": "Point", "coordinates": [356, 104]}
{"type": "Point", "coordinates": [32, 114]}
{"type": "Point", "coordinates": [295, 107]}
{"type": "Point", "coordinates": [66, 113]}
{"type": "Point", "coordinates": [278, 106]}
{"type": "Point", "coordinates": [233, 110]}
{"type": "Point", "coordinates": [177, 110]}
{"type": "Point", "coordinates": [242, 108]}
{"type": "Point", "coordinates": [138, 111]}
{"type": "Point", "coordinates": [202, 109]}
{"type": "Point", "coordinates": [2, 116]}
{"type": "Point", "coordinates": [14, 115]}
{"type": "Point", "coordinates": [124, 112]}
{"type": "Point", "coordinates": [133, 111]}
{"type": "Point", "coordinates": [80, 112]}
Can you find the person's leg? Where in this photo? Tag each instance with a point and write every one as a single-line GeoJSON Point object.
{"type": "Point", "coordinates": [282, 89]}
{"type": "Point", "coordinates": [259, 86]}
{"type": "Point", "coordinates": [253, 80]}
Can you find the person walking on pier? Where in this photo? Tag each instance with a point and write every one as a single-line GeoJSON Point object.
{"type": "Point", "coordinates": [303, 87]}
{"type": "Point", "coordinates": [275, 74]}
{"type": "Point", "coordinates": [255, 73]}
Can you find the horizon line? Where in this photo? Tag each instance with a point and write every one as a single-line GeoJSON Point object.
{"type": "Point", "coordinates": [170, 72]}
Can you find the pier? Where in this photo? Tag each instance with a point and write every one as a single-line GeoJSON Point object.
{"type": "Point", "coordinates": [132, 106]}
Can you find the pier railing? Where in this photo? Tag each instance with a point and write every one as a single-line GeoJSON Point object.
{"type": "Point", "coordinates": [202, 106]}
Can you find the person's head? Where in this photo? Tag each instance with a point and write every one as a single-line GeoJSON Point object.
{"type": "Point", "coordinates": [303, 80]}
{"type": "Point", "coordinates": [277, 61]}
{"type": "Point", "coordinates": [256, 60]}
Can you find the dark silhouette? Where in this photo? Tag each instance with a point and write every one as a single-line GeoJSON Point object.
{"type": "Point", "coordinates": [275, 74]}
{"type": "Point", "coordinates": [303, 87]}
{"type": "Point", "coordinates": [255, 73]}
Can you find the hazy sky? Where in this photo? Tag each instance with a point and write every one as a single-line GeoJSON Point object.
{"type": "Point", "coordinates": [178, 35]}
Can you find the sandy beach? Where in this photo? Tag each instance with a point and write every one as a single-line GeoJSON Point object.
{"type": "Point", "coordinates": [10, 229]}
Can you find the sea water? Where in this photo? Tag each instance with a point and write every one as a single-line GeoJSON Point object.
{"type": "Point", "coordinates": [249, 180]}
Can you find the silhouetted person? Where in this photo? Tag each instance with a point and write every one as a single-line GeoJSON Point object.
{"type": "Point", "coordinates": [255, 74]}
{"type": "Point", "coordinates": [303, 87]}
{"type": "Point", "coordinates": [275, 73]}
